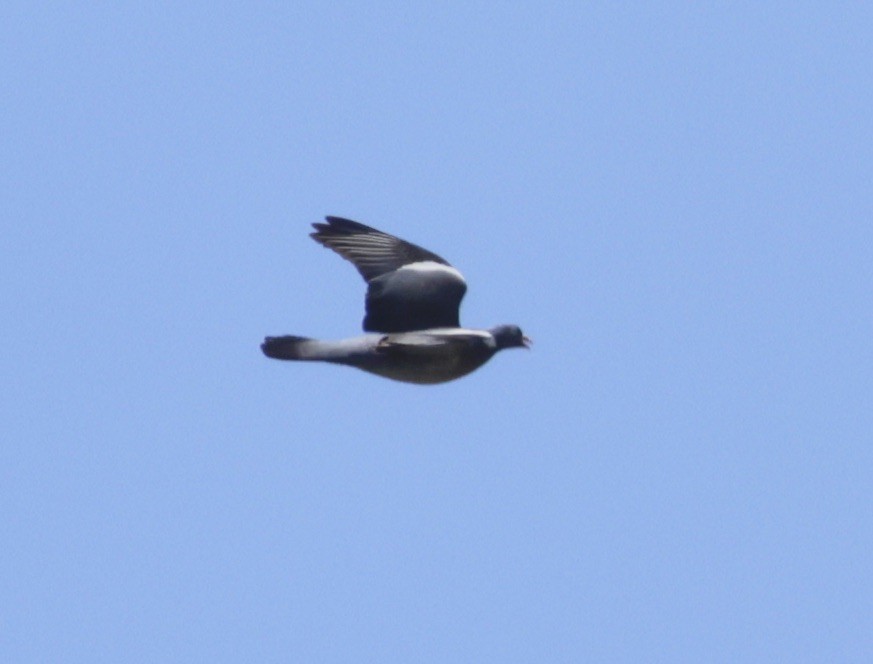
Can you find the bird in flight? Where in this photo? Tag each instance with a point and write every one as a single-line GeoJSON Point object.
{"type": "Point", "coordinates": [413, 330]}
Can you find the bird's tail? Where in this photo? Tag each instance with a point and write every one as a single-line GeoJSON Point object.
{"type": "Point", "coordinates": [290, 347]}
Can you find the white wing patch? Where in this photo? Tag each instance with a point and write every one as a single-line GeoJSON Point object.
{"type": "Point", "coordinates": [436, 336]}
{"type": "Point", "coordinates": [449, 332]}
{"type": "Point", "coordinates": [456, 331]}
{"type": "Point", "coordinates": [432, 266]}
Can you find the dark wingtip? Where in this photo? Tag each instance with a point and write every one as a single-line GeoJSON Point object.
{"type": "Point", "coordinates": [333, 219]}
{"type": "Point", "coordinates": [336, 226]}
{"type": "Point", "coordinates": [342, 225]}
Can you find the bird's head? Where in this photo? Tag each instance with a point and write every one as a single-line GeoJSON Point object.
{"type": "Point", "coordinates": [510, 336]}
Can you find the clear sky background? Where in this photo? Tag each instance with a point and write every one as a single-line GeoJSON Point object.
{"type": "Point", "coordinates": [675, 201]}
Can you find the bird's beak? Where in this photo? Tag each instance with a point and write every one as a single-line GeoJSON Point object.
{"type": "Point", "coordinates": [527, 342]}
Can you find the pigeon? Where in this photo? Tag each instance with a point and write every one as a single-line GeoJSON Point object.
{"type": "Point", "coordinates": [413, 331]}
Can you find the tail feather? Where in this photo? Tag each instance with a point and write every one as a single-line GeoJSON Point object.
{"type": "Point", "coordinates": [287, 347]}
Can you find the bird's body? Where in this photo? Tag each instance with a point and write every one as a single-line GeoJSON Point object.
{"type": "Point", "coordinates": [425, 357]}
{"type": "Point", "coordinates": [412, 303]}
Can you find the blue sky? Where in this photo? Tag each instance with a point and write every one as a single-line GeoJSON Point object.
{"type": "Point", "coordinates": [674, 201]}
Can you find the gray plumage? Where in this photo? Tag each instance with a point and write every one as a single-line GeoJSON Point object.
{"type": "Point", "coordinates": [398, 299]}
{"type": "Point", "coordinates": [412, 303]}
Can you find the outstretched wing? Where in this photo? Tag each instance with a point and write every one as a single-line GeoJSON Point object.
{"type": "Point", "coordinates": [408, 287]}
{"type": "Point", "coordinates": [435, 342]}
